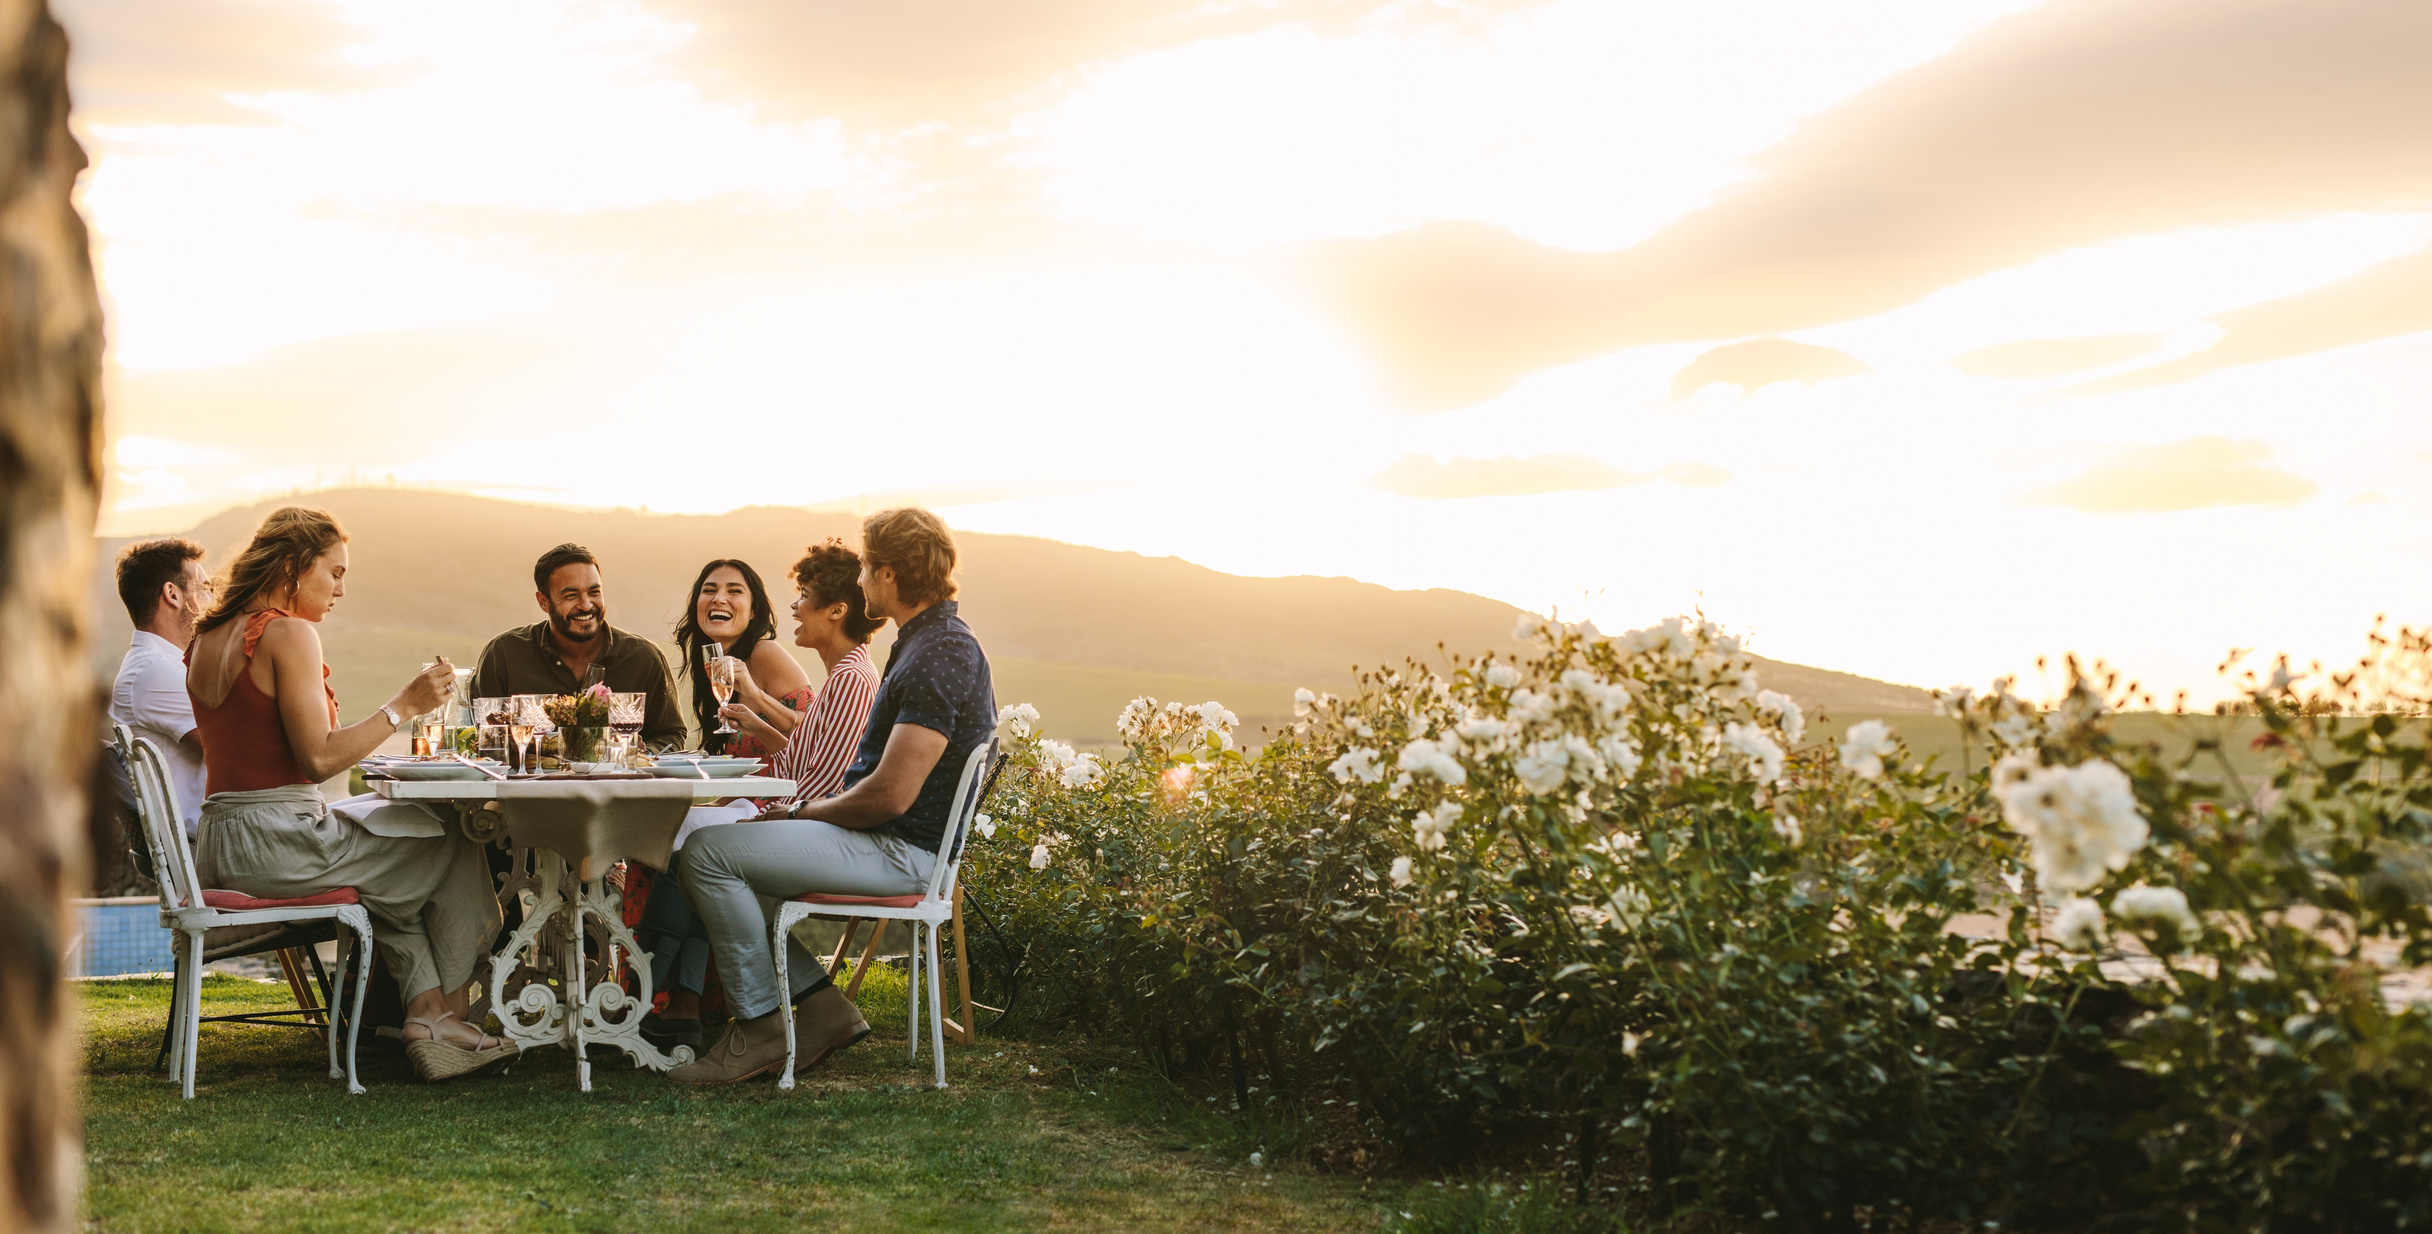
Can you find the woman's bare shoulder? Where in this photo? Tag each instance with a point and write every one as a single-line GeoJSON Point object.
{"type": "Point", "coordinates": [287, 635]}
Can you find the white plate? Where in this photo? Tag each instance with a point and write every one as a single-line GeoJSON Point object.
{"type": "Point", "coordinates": [715, 771]}
{"type": "Point", "coordinates": [434, 771]}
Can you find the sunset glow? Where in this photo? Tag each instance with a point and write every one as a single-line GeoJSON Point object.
{"type": "Point", "coordinates": [1403, 291]}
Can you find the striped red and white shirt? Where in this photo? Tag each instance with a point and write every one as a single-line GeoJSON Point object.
{"type": "Point", "coordinates": [821, 748]}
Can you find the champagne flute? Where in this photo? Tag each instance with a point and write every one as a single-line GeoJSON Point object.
{"type": "Point", "coordinates": [722, 686]}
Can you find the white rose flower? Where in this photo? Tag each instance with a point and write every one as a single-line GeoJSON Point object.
{"type": "Point", "coordinates": [1764, 757]}
{"type": "Point", "coordinates": [1081, 772]}
{"type": "Point", "coordinates": [2082, 820]}
{"type": "Point", "coordinates": [1954, 702]}
{"type": "Point", "coordinates": [1865, 746]}
{"type": "Point", "coordinates": [1132, 722]}
{"type": "Point", "coordinates": [2079, 927]}
{"type": "Point", "coordinates": [1424, 757]}
{"type": "Point", "coordinates": [1543, 767]}
{"type": "Point", "coordinates": [1055, 755]}
{"type": "Point", "coordinates": [1502, 676]}
{"type": "Point", "coordinates": [1630, 906]}
{"type": "Point", "coordinates": [1527, 627]}
{"type": "Point", "coordinates": [1621, 755]}
{"type": "Point", "coordinates": [1357, 764]}
{"type": "Point", "coordinates": [1016, 720]}
{"type": "Point", "coordinates": [1038, 856]}
{"type": "Point", "coordinates": [1484, 732]}
{"type": "Point", "coordinates": [1400, 873]}
{"type": "Point", "coordinates": [1530, 707]}
{"type": "Point", "coordinates": [2164, 904]}
{"type": "Point", "coordinates": [1302, 700]}
{"type": "Point", "coordinates": [1785, 710]}
{"type": "Point", "coordinates": [2015, 768]}
{"type": "Point", "coordinates": [2018, 728]}
{"type": "Point", "coordinates": [1430, 827]}
{"type": "Point", "coordinates": [985, 825]}
{"type": "Point", "coordinates": [1787, 827]}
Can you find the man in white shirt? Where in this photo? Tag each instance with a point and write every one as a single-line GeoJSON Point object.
{"type": "Point", "coordinates": [166, 593]}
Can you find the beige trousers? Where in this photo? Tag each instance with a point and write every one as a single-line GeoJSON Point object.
{"type": "Point", "coordinates": [431, 902]}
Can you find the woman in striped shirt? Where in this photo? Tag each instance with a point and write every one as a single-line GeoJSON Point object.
{"type": "Point", "coordinates": [830, 618]}
{"type": "Point", "coordinates": [813, 749]}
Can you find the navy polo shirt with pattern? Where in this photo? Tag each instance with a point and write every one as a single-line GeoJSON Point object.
{"type": "Point", "coordinates": [937, 677]}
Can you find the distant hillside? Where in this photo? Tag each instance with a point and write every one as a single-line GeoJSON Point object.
{"type": "Point", "coordinates": [1068, 627]}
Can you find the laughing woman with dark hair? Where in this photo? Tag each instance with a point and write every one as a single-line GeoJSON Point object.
{"type": "Point", "coordinates": [832, 619]}
{"type": "Point", "coordinates": [730, 609]}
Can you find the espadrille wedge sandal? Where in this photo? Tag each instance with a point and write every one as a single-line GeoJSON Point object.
{"type": "Point", "coordinates": [435, 1060]}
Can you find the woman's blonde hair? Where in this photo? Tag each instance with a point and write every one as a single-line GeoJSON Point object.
{"type": "Point", "coordinates": [282, 549]}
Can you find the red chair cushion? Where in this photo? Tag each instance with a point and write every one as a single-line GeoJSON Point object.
{"type": "Point", "coordinates": [870, 901]}
{"type": "Point", "coordinates": [239, 902]}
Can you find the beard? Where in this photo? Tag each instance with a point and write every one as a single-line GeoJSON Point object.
{"type": "Point", "coordinates": [562, 623]}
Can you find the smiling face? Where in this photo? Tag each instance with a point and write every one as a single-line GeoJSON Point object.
{"type": "Point", "coordinates": [816, 624]}
{"type": "Point", "coordinates": [322, 584]}
{"type": "Point", "coordinates": [577, 611]}
{"type": "Point", "coordinates": [723, 606]}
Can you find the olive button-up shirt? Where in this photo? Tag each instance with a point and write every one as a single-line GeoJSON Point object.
{"type": "Point", "coordinates": [524, 661]}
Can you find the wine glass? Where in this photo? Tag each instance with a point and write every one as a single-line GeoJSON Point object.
{"type": "Point", "coordinates": [722, 686]}
{"type": "Point", "coordinates": [625, 713]}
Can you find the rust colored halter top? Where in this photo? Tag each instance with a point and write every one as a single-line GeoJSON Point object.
{"type": "Point", "coordinates": [245, 743]}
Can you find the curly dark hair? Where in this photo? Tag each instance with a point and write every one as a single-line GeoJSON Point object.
{"type": "Point", "coordinates": [832, 572]}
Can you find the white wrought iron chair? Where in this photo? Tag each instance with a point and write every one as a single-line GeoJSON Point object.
{"type": "Point", "coordinates": [926, 911]}
{"type": "Point", "coordinates": [189, 911]}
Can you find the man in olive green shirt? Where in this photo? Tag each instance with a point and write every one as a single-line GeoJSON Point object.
{"type": "Point", "coordinates": [557, 655]}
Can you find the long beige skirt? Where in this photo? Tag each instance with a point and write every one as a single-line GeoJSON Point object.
{"type": "Point", "coordinates": [432, 907]}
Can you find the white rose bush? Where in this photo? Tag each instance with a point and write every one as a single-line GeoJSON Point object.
{"type": "Point", "coordinates": [1612, 883]}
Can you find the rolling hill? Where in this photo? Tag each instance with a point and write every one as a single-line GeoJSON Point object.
{"type": "Point", "coordinates": [1076, 631]}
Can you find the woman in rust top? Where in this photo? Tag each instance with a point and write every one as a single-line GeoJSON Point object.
{"type": "Point", "coordinates": [269, 728]}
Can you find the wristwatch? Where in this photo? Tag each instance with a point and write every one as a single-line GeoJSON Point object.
{"type": "Point", "coordinates": [395, 721]}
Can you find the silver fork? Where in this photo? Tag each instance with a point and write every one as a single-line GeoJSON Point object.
{"type": "Point", "coordinates": [475, 766]}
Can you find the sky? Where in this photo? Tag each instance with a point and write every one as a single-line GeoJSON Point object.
{"type": "Point", "coordinates": [1913, 338]}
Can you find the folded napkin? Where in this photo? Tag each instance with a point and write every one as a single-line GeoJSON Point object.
{"type": "Point", "coordinates": [596, 823]}
{"type": "Point", "coordinates": [398, 820]}
{"type": "Point", "coordinates": [713, 816]}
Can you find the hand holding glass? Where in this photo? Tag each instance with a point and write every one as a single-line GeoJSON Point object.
{"type": "Point", "coordinates": [722, 684]}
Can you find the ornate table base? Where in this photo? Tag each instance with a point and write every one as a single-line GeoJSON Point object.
{"type": "Point", "coordinates": [541, 983]}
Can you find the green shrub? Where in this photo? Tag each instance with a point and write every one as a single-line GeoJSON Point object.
{"type": "Point", "coordinates": [1605, 882]}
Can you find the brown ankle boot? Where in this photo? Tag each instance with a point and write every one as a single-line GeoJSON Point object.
{"type": "Point", "coordinates": [824, 1022]}
{"type": "Point", "coordinates": [750, 1048]}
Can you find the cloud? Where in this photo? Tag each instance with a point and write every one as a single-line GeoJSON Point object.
{"type": "Point", "coordinates": [1419, 475]}
{"type": "Point", "coordinates": [1759, 363]}
{"type": "Point", "coordinates": [2076, 123]}
{"type": "Point", "coordinates": [178, 62]}
{"type": "Point", "coordinates": [2049, 357]}
{"type": "Point", "coordinates": [905, 61]}
{"type": "Point", "coordinates": [2387, 301]}
{"type": "Point", "coordinates": [2194, 474]}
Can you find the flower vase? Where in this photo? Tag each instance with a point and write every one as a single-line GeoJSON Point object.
{"type": "Point", "coordinates": [583, 745]}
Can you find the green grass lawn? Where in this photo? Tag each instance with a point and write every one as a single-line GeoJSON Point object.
{"type": "Point", "coordinates": [1031, 1135]}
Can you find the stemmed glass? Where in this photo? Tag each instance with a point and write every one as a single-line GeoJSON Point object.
{"type": "Point", "coordinates": [721, 669]}
{"type": "Point", "coordinates": [625, 716]}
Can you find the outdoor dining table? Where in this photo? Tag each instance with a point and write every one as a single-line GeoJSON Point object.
{"type": "Point", "coordinates": [559, 874]}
